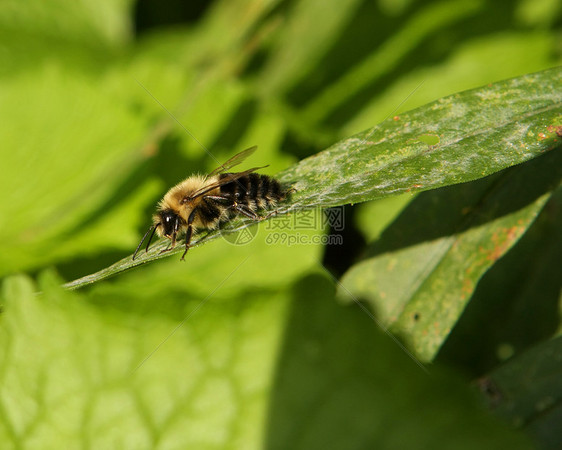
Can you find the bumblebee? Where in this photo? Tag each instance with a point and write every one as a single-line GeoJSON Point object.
{"type": "Point", "coordinates": [205, 202]}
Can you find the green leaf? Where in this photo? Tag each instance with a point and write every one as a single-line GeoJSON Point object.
{"type": "Point", "coordinates": [423, 271]}
{"type": "Point", "coordinates": [236, 226]}
{"type": "Point", "coordinates": [480, 132]}
{"type": "Point", "coordinates": [239, 347]}
{"type": "Point", "coordinates": [131, 380]}
{"type": "Point", "coordinates": [82, 35]}
{"type": "Point", "coordinates": [467, 67]}
{"type": "Point", "coordinates": [527, 391]}
{"type": "Point", "coordinates": [202, 372]}
{"type": "Point", "coordinates": [518, 123]}
{"type": "Point", "coordinates": [267, 265]}
{"type": "Point", "coordinates": [516, 303]}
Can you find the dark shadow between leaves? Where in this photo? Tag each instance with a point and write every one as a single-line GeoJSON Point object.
{"type": "Point", "coordinates": [327, 393]}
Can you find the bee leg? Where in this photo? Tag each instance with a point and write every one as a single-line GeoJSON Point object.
{"type": "Point", "coordinates": [172, 245]}
{"type": "Point", "coordinates": [246, 211]}
{"type": "Point", "coordinates": [271, 214]}
{"type": "Point", "coordinates": [188, 233]}
{"type": "Point", "coordinates": [290, 191]}
{"type": "Point", "coordinates": [218, 198]}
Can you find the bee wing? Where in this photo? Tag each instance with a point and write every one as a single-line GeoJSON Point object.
{"type": "Point", "coordinates": [228, 178]}
{"type": "Point", "coordinates": [234, 161]}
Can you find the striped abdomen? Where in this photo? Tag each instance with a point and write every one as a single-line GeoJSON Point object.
{"type": "Point", "coordinates": [254, 191]}
{"type": "Point", "coordinates": [249, 194]}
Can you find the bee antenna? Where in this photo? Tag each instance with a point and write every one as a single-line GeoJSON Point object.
{"type": "Point", "coordinates": [151, 236]}
{"type": "Point", "coordinates": [153, 229]}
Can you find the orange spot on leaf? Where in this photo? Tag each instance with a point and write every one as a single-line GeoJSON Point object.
{"type": "Point", "coordinates": [467, 286]}
{"type": "Point", "coordinates": [502, 242]}
{"type": "Point", "coordinates": [555, 129]}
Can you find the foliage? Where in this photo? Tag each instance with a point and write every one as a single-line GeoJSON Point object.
{"type": "Point", "coordinates": [259, 345]}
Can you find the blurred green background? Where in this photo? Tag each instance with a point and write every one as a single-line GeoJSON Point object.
{"type": "Point", "coordinates": [241, 346]}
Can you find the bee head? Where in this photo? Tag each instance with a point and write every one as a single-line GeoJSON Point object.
{"type": "Point", "coordinates": [165, 223]}
{"type": "Point", "coordinates": [170, 223]}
